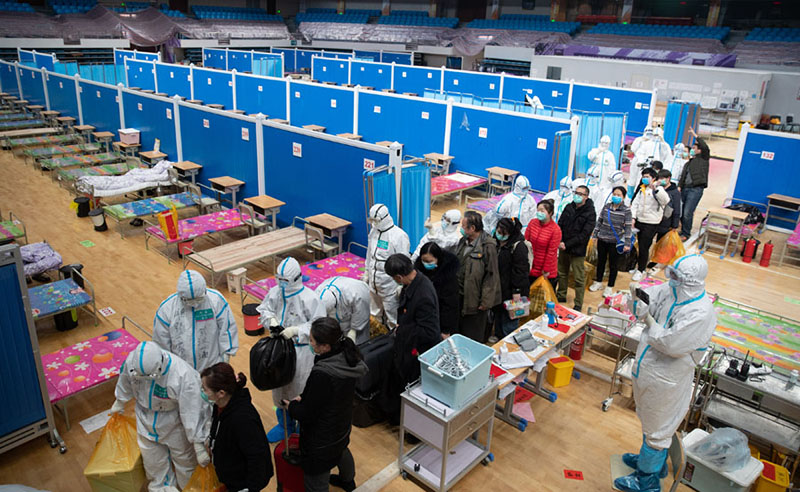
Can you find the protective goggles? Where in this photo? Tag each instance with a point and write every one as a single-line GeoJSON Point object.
{"type": "Point", "coordinates": [673, 273]}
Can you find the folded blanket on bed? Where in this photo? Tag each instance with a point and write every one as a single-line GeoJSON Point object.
{"type": "Point", "coordinates": [38, 258]}
{"type": "Point", "coordinates": [133, 180]}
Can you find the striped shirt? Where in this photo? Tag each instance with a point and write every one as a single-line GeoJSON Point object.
{"type": "Point", "coordinates": [621, 221]}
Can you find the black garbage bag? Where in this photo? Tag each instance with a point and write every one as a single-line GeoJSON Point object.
{"type": "Point", "coordinates": [754, 215]}
{"type": "Point", "coordinates": [272, 362]}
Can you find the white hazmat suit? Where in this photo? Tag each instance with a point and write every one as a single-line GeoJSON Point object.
{"type": "Point", "coordinates": [562, 196]}
{"type": "Point", "coordinates": [617, 178]}
{"type": "Point", "coordinates": [646, 149]}
{"type": "Point", "coordinates": [196, 323]}
{"type": "Point", "coordinates": [601, 156]}
{"type": "Point", "coordinates": [172, 419]}
{"type": "Point", "coordinates": [347, 300]}
{"type": "Point", "coordinates": [385, 239]}
{"type": "Point", "coordinates": [518, 204]}
{"type": "Point", "coordinates": [675, 165]}
{"type": "Point", "coordinates": [446, 236]}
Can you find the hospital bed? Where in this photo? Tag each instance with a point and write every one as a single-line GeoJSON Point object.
{"type": "Point", "coordinates": [135, 180]}
{"type": "Point", "coordinates": [38, 258]}
{"type": "Point", "coordinates": [60, 296]}
{"type": "Point", "coordinates": [80, 160]}
{"type": "Point", "coordinates": [59, 150]}
{"type": "Point", "coordinates": [86, 365]}
{"type": "Point", "coordinates": [194, 228]}
{"type": "Point", "coordinates": [450, 184]}
{"type": "Point", "coordinates": [227, 257]}
{"type": "Point", "coordinates": [13, 229]}
{"type": "Point", "coordinates": [149, 206]}
{"type": "Point", "coordinates": [69, 176]}
{"type": "Point", "coordinates": [20, 124]}
{"type": "Point", "coordinates": [344, 265]}
{"type": "Point", "coordinates": [487, 204]}
{"type": "Point", "coordinates": [10, 135]}
{"type": "Point", "coordinates": [15, 116]}
{"type": "Point", "coordinates": [18, 144]}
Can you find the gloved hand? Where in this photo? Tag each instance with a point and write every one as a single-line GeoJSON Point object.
{"type": "Point", "coordinates": [352, 335]}
{"type": "Point", "coordinates": [274, 322]}
{"type": "Point", "coordinates": [202, 455]}
{"type": "Point", "coordinates": [117, 407]}
{"type": "Point", "coordinates": [651, 321]}
{"type": "Point", "coordinates": [226, 358]}
{"type": "Point", "coordinates": [638, 307]}
{"type": "Point", "coordinates": [290, 332]}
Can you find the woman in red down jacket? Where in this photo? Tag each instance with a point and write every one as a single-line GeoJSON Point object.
{"type": "Point", "coordinates": [544, 235]}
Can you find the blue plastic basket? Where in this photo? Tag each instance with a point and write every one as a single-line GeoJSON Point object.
{"type": "Point", "coordinates": [455, 392]}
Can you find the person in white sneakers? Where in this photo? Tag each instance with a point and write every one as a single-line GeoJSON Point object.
{"type": "Point", "coordinates": [612, 231]}
{"type": "Point", "coordinates": [647, 210]}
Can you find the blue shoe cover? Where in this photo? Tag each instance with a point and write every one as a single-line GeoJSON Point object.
{"type": "Point", "coordinates": [638, 482]}
{"type": "Point", "coordinates": [277, 433]}
{"type": "Point", "coordinates": [632, 460]}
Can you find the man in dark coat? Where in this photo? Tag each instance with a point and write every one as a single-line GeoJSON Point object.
{"type": "Point", "coordinates": [693, 181]}
{"type": "Point", "coordinates": [576, 223]}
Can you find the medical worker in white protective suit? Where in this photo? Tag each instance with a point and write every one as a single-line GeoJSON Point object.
{"type": "Point", "coordinates": [196, 323]}
{"type": "Point", "coordinates": [603, 157]}
{"type": "Point", "coordinates": [675, 165]}
{"type": "Point", "coordinates": [172, 417]}
{"type": "Point", "coordinates": [293, 307]}
{"type": "Point", "coordinates": [646, 149]}
{"type": "Point", "coordinates": [562, 196]}
{"type": "Point", "coordinates": [385, 239]}
{"type": "Point", "coordinates": [347, 300]}
{"type": "Point", "coordinates": [680, 321]}
{"type": "Point", "coordinates": [446, 236]}
{"type": "Point", "coordinates": [617, 178]}
{"type": "Point", "coordinates": [518, 204]}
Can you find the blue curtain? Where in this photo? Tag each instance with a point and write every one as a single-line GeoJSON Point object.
{"type": "Point", "coordinates": [86, 72]}
{"type": "Point", "coordinates": [672, 122]}
{"type": "Point", "coordinates": [384, 190]}
{"type": "Point", "coordinates": [590, 130]}
{"type": "Point", "coordinates": [614, 127]}
{"type": "Point", "coordinates": [416, 201]}
{"type": "Point", "coordinates": [110, 74]}
{"type": "Point", "coordinates": [60, 68]}
{"type": "Point", "coordinates": [564, 140]}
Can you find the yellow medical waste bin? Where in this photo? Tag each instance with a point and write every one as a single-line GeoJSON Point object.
{"type": "Point", "coordinates": [116, 463]}
{"type": "Point", "coordinates": [559, 371]}
{"type": "Point", "coordinates": [774, 478]}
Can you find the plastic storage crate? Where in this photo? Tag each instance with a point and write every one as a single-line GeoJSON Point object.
{"type": "Point", "coordinates": [774, 478]}
{"type": "Point", "coordinates": [129, 136]}
{"type": "Point", "coordinates": [702, 476]}
{"type": "Point", "coordinates": [451, 391]}
{"type": "Point", "coordinates": [518, 309]}
{"type": "Point", "coordinates": [559, 371]}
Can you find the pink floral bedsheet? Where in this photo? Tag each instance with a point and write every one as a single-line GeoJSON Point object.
{"type": "Point", "coordinates": [441, 185]}
{"type": "Point", "coordinates": [201, 225]}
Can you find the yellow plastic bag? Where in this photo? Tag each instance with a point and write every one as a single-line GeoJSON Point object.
{"type": "Point", "coordinates": [668, 248]}
{"type": "Point", "coordinates": [591, 251]}
{"type": "Point", "coordinates": [169, 223]}
{"type": "Point", "coordinates": [116, 463]}
{"type": "Point", "coordinates": [540, 294]}
{"type": "Point", "coordinates": [204, 479]}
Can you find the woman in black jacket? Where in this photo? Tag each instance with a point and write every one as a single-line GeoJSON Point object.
{"type": "Point", "coordinates": [513, 269]}
{"type": "Point", "coordinates": [441, 267]}
{"type": "Point", "coordinates": [325, 408]}
{"type": "Point", "coordinates": [239, 447]}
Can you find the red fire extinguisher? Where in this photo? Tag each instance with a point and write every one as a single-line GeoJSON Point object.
{"type": "Point", "coordinates": [767, 254]}
{"type": "Point", "coordinates": [749, 250]}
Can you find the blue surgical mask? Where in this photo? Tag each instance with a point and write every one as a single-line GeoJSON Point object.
{"type": "Point", "coordinates": [674, 283]}
{"type": "Point", "coordinates": [462, 231]}
{"type": "Point", "coordinates": [205, 397]}
{"type": "Point", "coordinates": [664, 182]}
{"type": "Point", "coordinates": [541, 216]}
{"type": "Point", "coordinates": [645, 181]}
{"type": "Point", "coordinates": [502, 237]}
{"type": "Point", "coordinates": [311, 349]}
{"type": "Point", "coordinates": [444, 223]}
{"type": "Point", "coordinates": [429, 266]}
{"type": "Point", "coordinates": [577, 199]}
{"type": "Point", "coordinates": [616, 200]}
{"type": "Point", "coordinates": [691, 153]}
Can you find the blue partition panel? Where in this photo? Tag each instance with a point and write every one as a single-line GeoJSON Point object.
{"type": "Point", "coordinates": [214, 87]}
{"type": "Point", "coordinates": [214, 58]}
{"type": "Point", "coordinates": [241, 61]}
{"type": "Point", "coordinates": [202, 133]}
{"type": "Point", "coordinates": [314, 104]}
{"type": "Point", "coordinates": [482, 85]}
{"type": "Point", "coordinates": [328, 167]}
{"type": "Point", "coordinates": [375, 55]}
{"type": "Point", "coordinates": [377, 75]}
{"type": "Point", "coordinates": [8, 79]}
{"type": "Point", "coordinates": [26, 56]}
{"type": "Point", "coordinates": [121, 55]}
{"type": "Point", "coordinates": [416, 79]}
{"type": "Point", "coordinates": [147, 56]}
{"type": "Point", "coordinates": [141, 74]}
{"type": "Point", "coordinates": [288, 58]}
{"type": "Point", "coordinates": [154, 119]}
{"type": "Point", "coordinates": [45, 61]}
{"type": "Point", "coordinates": [61, 91]}
{"type": "Point", "coordinates": [416, 123]}
{"type": "Point", "coordinates": [551, 93]}
{"type": "Point", "coordinates": [100, 106]}
{"type": "Point", "coordinates": [32, 87]}
{"type": "Point", "coordinates": [330, 70]}
{"type": "Point", "coordinates": [174, 79]}
{"type": "Point", "coordinates": [303, 61]}
{"type": "Point", "coordinates": [519, 142]}
{"type": "Point", "coordinates": [261, 95]}
{"type": "Point", "coordinates": [768, 165]}
{"type": "Point", "coordinates": [611, 100]}
{"type": "Point", "coordinates": [398, 58]}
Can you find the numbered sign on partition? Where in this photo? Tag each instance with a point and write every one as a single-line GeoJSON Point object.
{"type": "Point", "coordinates": [767, 156]}
{"type": "Point", "coordinates": [206, 124]}
{"type": "Point", "coordinates": [246, 134]}
{"type": "Point", "coordinates": [369, 164]}
{"type": "Point", "coordinates": [483, 132]}
{"type": "Point", "coordinates": [541, 144]}
{"type": "Point", "coordinates": [169, 114]}
{"type": "Point", "coordinates": [297, 149]}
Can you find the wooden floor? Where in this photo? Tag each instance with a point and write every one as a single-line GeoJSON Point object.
{"type": "Point", "coordinates": [572, 433]}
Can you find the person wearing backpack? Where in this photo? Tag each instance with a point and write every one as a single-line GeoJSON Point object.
{"type": "Point", "coordinates": [671, 220]}
{"type": "Point", "coordinates": [613, 233]}
{"type": "Point", "coordinates": [576, 223]}
{"type": "Point", "coordinates": [647, 210]}
{"type": "Point", "coordinates": [513, 265]}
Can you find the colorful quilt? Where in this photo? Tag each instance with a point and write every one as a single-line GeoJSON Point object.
{"type": "Point", "coordinates": [82, 160]}
{"type": "Point", "coordinates": [745, 230]}
{"type": "Point", "coordinates": [343, 265]}
{"type": "Point", "coordinates": [52, 298]}
{"type": "Point", "coordinates": [201, 225]}
{"type": "Point", "coordinates": [44, 140]}
{"type": "Point", "coordinates": [104, 170]}
{"type": "Point", "coordinates": [15, 116]}
{"type": "Point", "coordinates": [15, 125]}
{"type": "Point", "coordinates": [441, 185]}
{"type": "Point", "coordinates": [10, 230]}
{"type": "Point", "coordinates": [149, 206]}
{"type": "Point", "coordinates": [47, 152]}
{"type": "Point", "coordinates": [86, 364]}
{"type": "Point", "coordinates": [794, 239]}
{"type": "Point", "coordinates": [484, 206]}
{"type": "Point", "coordinates": [768, 339]}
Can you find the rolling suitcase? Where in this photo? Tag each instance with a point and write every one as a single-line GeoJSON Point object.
{"type": "Point", "coordinates": [378, 353]}
{"type": "Point", "coordinates": [287, 461]}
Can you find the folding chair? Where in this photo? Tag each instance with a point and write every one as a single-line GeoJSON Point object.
{"type": "Point", "coordinates": [254, 226]}
{"type": "Point", "coordinates": [677, 458]}
{"type": "Point", "coordinates": [315, 241]}
{"type": "Point", "coordinates": [717, 225]}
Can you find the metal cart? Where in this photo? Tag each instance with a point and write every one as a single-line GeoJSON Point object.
{"type": "Point", "coordinates": [450, 445]}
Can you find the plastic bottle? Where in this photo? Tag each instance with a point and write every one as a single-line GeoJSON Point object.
{"type": "Point", "coordinates": [550, 311]}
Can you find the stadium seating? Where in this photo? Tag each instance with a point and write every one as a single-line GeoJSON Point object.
{"type": "Point", "coordinates": [233, 13]}
{"type": "Point", "coordinates": [662, 31]}
{"type": "Point", "coordinates": [72, 6]}
{"type": "Point", "coordinates": [346, 18]}
{"type": "Point", "coordinates": [407, 18]}
{"type": "Point", "coordinates": [15, 7]}
{"type": "Point", "coordinates": [775, 34]}
{"type": "Point", "coordinates": [525, 25]}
